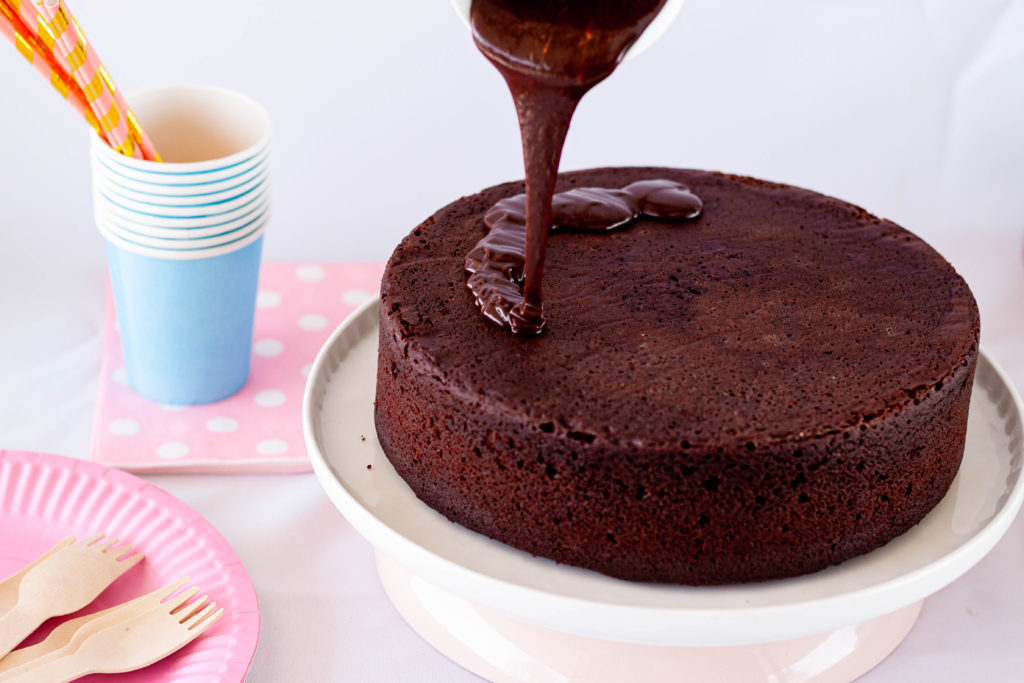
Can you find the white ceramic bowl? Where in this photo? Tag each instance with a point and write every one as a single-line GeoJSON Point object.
{"type": "Point", "coordinates": [657, 28]}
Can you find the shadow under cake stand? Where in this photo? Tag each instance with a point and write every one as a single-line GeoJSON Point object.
{"type": "Point", "coordinates": [509, 616]}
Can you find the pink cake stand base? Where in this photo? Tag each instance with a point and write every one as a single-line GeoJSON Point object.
{"type": "Point", "coordinates": [507, 650]}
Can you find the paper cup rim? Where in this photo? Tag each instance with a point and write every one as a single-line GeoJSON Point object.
{"type": "Point", "coordinates": [182, 219]}
{"type": "Point", "coordinates": [104, 166]}
{"type": "Point", "coordinates": [183, 242]}
{"type": "Point", "coordinates": [128, 225]}
{"type": "Point", "coordinates": [185, 225]}
{"type": "Point", "coordinates": [170, 177]}
{"type": "Point", "coordinates": [189, 168]}
{"type": "Point", "coordinates": [253, 177]}
{"type": "Point", "coordinates": [214, 205]}
{"type": "Point", "coordinates": [183, 254]}
{"type": "Point", "coordinates": [113, 190]}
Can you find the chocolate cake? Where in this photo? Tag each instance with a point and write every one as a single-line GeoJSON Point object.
{"type": "Point", "coordinates": [765, 391]}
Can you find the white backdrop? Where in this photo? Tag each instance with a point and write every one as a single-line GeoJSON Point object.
{"type": "Point", "coordinates": [384, 111]}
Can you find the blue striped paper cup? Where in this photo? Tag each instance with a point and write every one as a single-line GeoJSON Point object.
{"type": "Point", "coordinates": [184, 240]}
{"type": "Point", "coordinates": [127, 222]}
{"type": "Point", "coordinates": [111, 192]}
{"type": "Point", "coordinates": [156, 219]}
{"type": "Point", "coordinates": [125, 172]}
{"type": "Point", "coordinates": [178, 248]}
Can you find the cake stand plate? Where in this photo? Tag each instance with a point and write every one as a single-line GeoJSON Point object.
{"type": "Point", "coordinates": [436, 571]}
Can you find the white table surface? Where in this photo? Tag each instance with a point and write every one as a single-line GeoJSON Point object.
{"type": "Point", "coordinates": [911, 108]}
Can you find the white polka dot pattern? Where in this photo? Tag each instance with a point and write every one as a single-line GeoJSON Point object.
{"type": "Point", "coordinates": [172, 450]}
{"type": "Point", "coordinates": [267, 299]}
{"type": "Point", "coordinates": [272, 447]}
{"type": "Point", "coordinates": [123, 427]}
{"type": "Point", "coordinates": [222, 425]}
{"type": "Point", "coordinates": [313, 322]}
{"type": "Point", "coordinates": [354, 297]}
{"type": "Point", "coordinates": [270, 398]}
{"type": "Point", "coordinates": [268, 348]}
{"type": "Point", "coordinates": [310, 273]}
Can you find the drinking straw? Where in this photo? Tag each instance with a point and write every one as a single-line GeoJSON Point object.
{"type": "Point", "coordinates": [30, 46]}
{"type": "Point", "coordinates": [118, 125]}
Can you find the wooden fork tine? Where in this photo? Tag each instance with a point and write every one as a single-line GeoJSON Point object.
{"type": "Point", "coordinates": [63, 543]}
{"type": "Point", "coordinates": [106, 545]}
{"type": "Point", "coordinates": [193, 608]}
{"type": "Point", "coordinates": [196, 621]}
{"type": "Point", "coordinates": [169, 589]}
{"type": "Point", "coordinates": [131, 560]}
{"type": "Point", "coordinates": [177, 601]}
{"type": "Point", "coordinates": [93, 539]}
{"type": "Point", "coordinates": [209, 621]}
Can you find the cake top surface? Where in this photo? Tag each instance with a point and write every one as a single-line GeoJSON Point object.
{"type": "Point", "coordinates": [778, 314]}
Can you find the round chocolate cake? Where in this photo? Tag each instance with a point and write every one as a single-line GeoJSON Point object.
{"type": "Point", "coordinates": [765, 391]}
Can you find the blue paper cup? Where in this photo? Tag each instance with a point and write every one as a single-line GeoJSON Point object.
{"type": "Point", "coordinates": [184, 240]}
{"type": "Point", "coordinates": [186, 324]}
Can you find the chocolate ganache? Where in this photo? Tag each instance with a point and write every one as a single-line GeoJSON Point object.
{"type": "Point", "coordinates": [497, 262]}
{"type": "Point", "coordinates": [550, 54]}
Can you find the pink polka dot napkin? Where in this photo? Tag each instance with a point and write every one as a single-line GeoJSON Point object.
{"type": "Point", "coordinates": [258, 429]}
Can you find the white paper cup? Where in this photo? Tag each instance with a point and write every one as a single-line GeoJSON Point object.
{"type": "Point", "coordinates": [184, 240]}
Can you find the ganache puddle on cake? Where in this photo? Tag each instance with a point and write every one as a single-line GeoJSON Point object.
{"type": "Point", "coordinates": [497, 263]}
{"type": "Point", "coordinates": [550, 55]}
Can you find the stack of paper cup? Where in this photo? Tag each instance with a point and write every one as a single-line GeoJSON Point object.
{"type": "Point", "coordinates": [184, 239]}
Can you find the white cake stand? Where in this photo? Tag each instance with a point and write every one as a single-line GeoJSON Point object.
{"type": "Point", "coordinates": [509, 616]}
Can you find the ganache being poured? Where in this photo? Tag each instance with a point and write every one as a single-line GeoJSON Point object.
{"type": "Point", "coordinates": [497, 263]}
{"type": "Point", "coordinates": [550, 54]}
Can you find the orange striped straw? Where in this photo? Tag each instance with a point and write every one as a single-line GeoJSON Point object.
{"type": "Point", "coordinates": [118, 125]}
{"type": "Point", "coordinates": [28, 44]}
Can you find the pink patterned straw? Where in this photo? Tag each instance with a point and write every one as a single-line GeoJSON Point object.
{"type": "Point", "coordinates": [32, 48]}
{"type": "Point", "coordinates": [117, 124]}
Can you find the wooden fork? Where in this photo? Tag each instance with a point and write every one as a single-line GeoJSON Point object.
{"type": "Point", "coordinates": [126, 645]}
{"type": "Point", "coordinates": [66, 581]}
{"type": "Point", "coordinates": [9, 587]}
{"type": "Point", "coordinates": [70, 635]}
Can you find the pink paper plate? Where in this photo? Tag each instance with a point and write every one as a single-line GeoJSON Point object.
{"type": "Point", "coordinates": [44, 498]}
